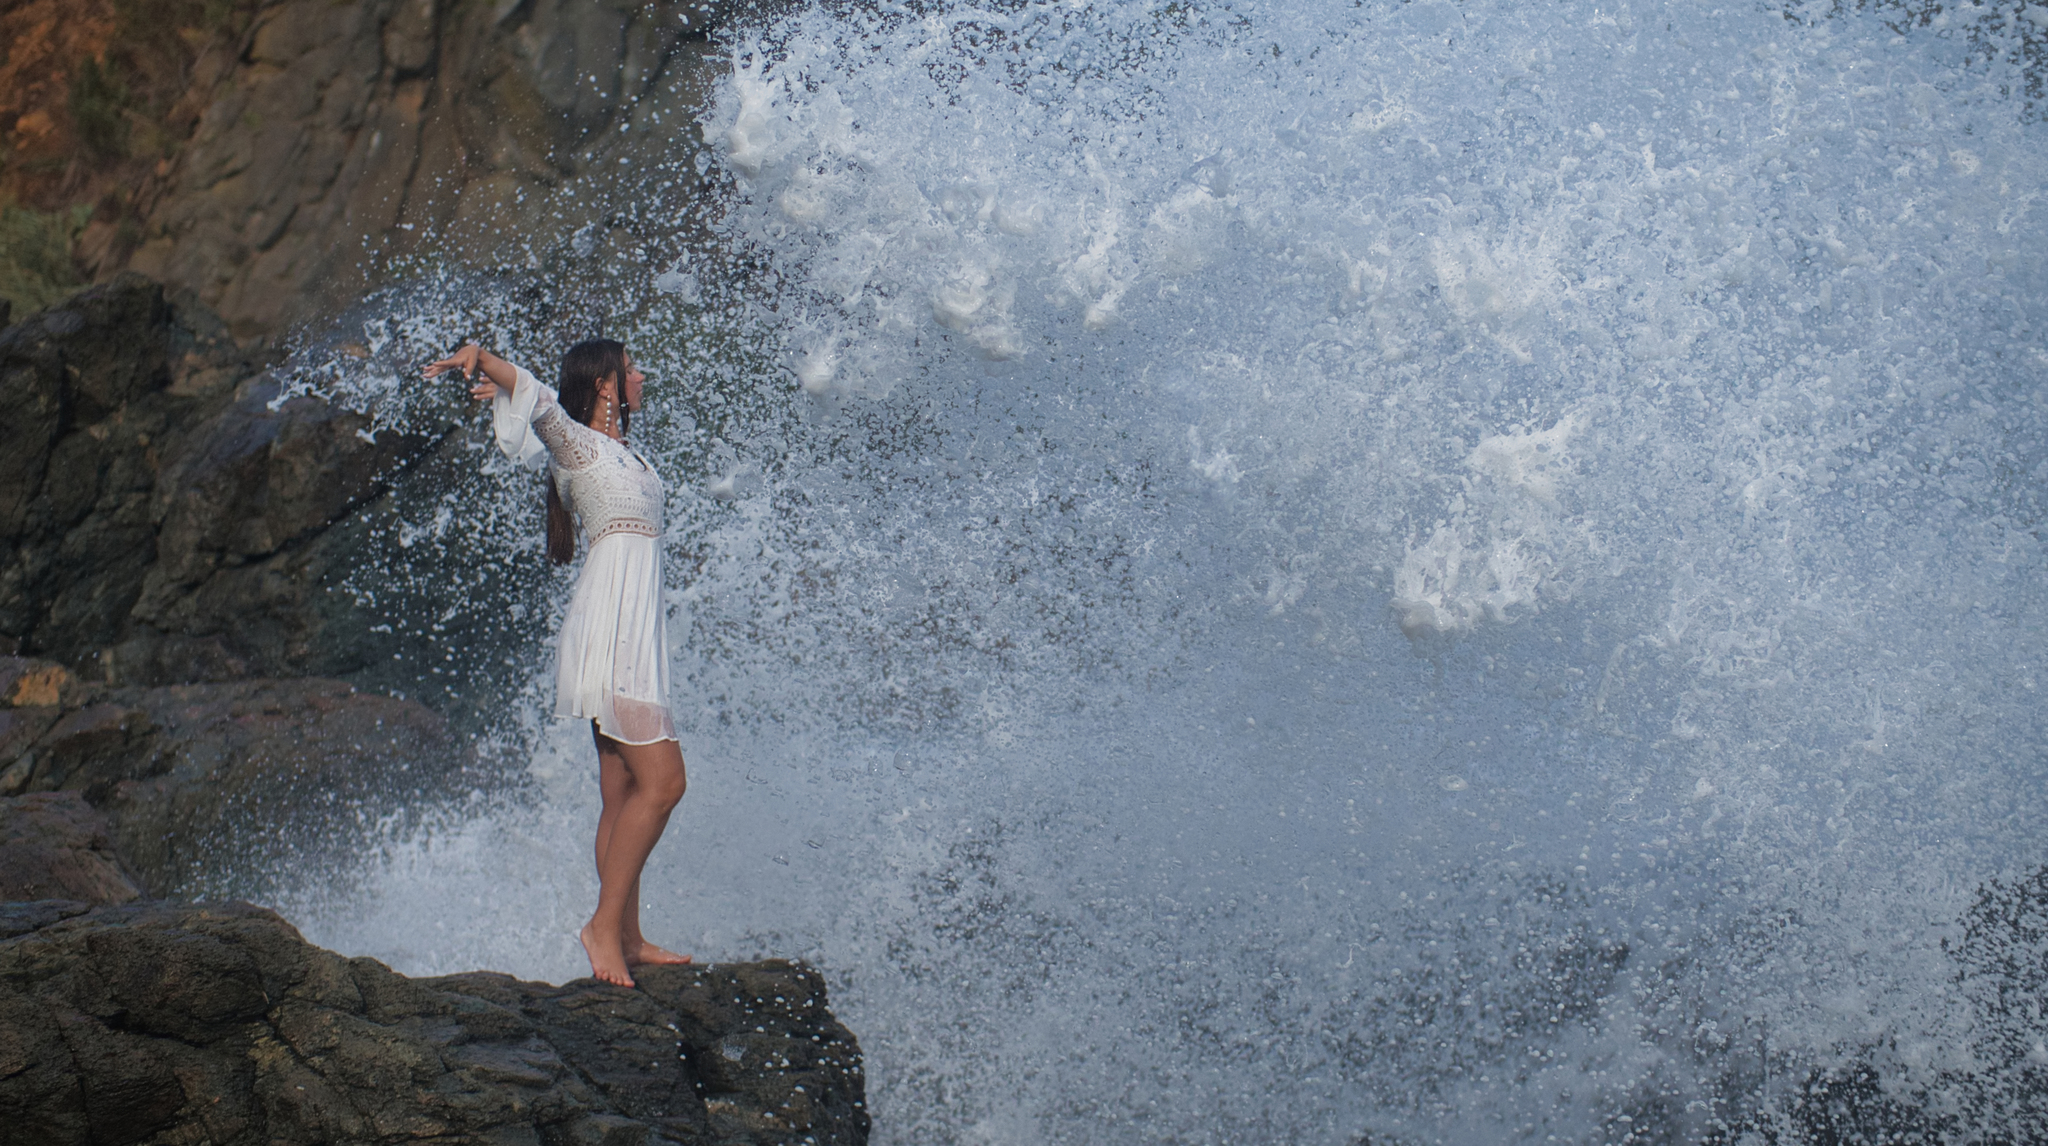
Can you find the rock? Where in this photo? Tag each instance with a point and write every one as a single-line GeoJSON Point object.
{"type": "Point", "coordinates": [36, 914]}
{"type": "Point", "coordinates": [225, 781]}
{"type": "Point", "coordinates": [175, 523]}
{"type": "Point", "coordinates": [252, 776]}
{"type": "Point", "coordinates": [161, 512]}
{"type": "Point", "coordinates": [242, 514]}
{"type": "Point", "coordinates": [296, 148]}
{"type": "Point", "coordinates": [54, 846]}
{"type": "Point", "coordinates": [92, 749]}
{"type": "Point", "coordinates": [30, 684]}
{"type": "Point", "coordinates": [19, 729]}
{"type": "Point", "coordinates": [179, 1023]}
{"type": "Point", "coordinates": [203, 530]}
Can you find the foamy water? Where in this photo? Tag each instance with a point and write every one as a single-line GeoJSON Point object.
{"type": "Point", "coordinates": [1448, 573]}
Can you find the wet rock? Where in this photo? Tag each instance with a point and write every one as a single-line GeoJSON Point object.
{"type": "Point", "coordinates": [249, 776]}
{"type": "Point", "coordinates": [54, 847]}
{"type": "Point", "coordinates": [222, 781]}
{"type": "Point", "coordinates": [218, 1023]}
{"type": "Point", "coordinates": [245, 520]}
{"type": "Point", "coordinates": [36, 914]}
{"type": "Point", "coordinates": [162, 513]}
{"type": "Point", "coordinates": [322, 141]}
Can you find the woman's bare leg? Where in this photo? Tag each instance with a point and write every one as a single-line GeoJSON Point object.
{"type": "Point", "coordinates": [640, 785]}
{"type": "Point", "coordinates": [615, 783]}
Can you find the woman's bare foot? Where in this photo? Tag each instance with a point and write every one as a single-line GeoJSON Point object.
{"type": "Point", "coordinates": [608, 963]}
{"type": "Point", "coordinates": [645, 952]}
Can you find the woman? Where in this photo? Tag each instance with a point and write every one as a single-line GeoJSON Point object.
{"type": "Point", "coordinates": [613, 664]}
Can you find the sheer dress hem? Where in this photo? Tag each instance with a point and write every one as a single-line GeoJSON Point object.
{"type": "Point", "coordinates": [608, 735]}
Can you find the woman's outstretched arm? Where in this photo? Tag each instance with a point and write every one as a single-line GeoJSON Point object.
{"type": "Point", "coordinates": [496, 381]}
{"type": "Point", "coordinates": [530, 424]}
{"type": "Point", "coordinates": [472, 360]}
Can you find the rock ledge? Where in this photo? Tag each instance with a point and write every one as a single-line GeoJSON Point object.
{"type": "Point", "coordinates": [216, 1023]}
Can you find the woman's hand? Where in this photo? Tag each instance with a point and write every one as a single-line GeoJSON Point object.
{"type": "Point", "coordinates": [471, 360]}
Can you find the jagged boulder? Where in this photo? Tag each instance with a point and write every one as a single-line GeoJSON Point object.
{"type": "Point", "coordinates": [225, 780]}
{"type": "Point", "coordinates": [162, 513]}
{"type": "Point", "coordinates": [55, 846]}
{"type": "Point", "coordinates": [218, 1023]}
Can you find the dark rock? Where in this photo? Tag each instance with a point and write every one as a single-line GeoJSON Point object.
{"type": "Point", "coordinates": [54, 847]}
{"type": "Point", "coordinates": [349, 137]}
{"type": "Point", "coordinates": [92, 749]}
{"type": "Point", "coordinates": [218, 1023]}
{"type": "Point", "coordinates": [174, 521]}
{"type": "Point", "coordinates": [20, 728]}
{"type": "Point", "coordinates": [205, 781]}
{"type": "Point", "coordinates": [36, 914]}
{"type": "Point", "coordinates": [161, 512]}
{"type": "Point", "coordinates": [257, 774]}
{"type": "Point", "coordinates": [243, 518]}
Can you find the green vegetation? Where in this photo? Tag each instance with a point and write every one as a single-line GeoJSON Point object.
{"type": "Point", "coordinates": [35, 256]}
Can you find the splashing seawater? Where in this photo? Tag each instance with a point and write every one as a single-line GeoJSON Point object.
{"type": "Point", "coordinates": [1440, 573]}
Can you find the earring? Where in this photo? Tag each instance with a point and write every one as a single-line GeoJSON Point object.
{"type": "Point", "coordinates": [607, 427]}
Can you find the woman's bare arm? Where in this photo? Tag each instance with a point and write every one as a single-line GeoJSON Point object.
{"type": "Point", "coordinates": [571, 444]}
{"type": "Point", "coordinates": [472, 360]}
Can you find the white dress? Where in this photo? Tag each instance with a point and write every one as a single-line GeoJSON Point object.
{"type": "Point", "coordinates": [612, 664]}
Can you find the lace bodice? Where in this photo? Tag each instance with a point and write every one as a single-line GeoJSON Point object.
{"type": "Point", "coordinates": [604, 482]}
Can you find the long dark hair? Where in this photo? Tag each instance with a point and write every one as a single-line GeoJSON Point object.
{"type": "Point", "coordinates": [583, 367]}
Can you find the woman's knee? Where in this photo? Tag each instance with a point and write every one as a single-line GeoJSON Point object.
{"type": "Point", "coordinates": [670, 786]}
{"type": "Point", "coordinates": [661, 779]}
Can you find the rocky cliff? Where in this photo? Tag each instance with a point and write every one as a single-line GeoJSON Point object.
{"type": "Point", "coordinates": [166, 516]}
{"type": "Point", "coordinates": [56, 849]}
{"type": "Point", "coordinates": [161, 514]}
{"type": "Point", "coordinates": [179, 557]}
{"type": "Point", "coordinates": [217, 1023]}
{"type": "Point", "coordinates": [278, 157]}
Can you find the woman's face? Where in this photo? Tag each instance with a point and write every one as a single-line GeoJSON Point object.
{"type": "Point", "coordinates": [629, 393]}
{"type": "Point", "coordinates": [633, 380]}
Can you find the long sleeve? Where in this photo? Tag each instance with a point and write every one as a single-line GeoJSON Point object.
{"type": "Point", "coordinates": [531, 426]}
{"type": "Point", "coordinates": [512, 419]}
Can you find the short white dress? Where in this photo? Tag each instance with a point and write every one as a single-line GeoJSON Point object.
{"type": "Point", "coordinates": [612, 664]}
